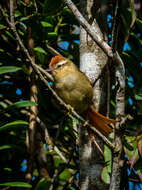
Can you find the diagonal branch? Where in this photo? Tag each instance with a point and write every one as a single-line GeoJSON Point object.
{"type": "Point", "coordinates": [52, 50]}
{"type": "Point", "coordinates": [13, 28]}
{"type": "Point", "coordinates": [38, 71]}
{"type": "Point", "coordinates": [90, 29]}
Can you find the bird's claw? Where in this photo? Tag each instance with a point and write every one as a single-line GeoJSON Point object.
{"type": "Point", "coordinates": [86, 123]}
{"type": "Point", "coordinates": [70, 108]}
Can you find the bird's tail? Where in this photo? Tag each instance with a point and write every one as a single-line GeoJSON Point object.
{"type": "Point", "coordinates": [100, 122]}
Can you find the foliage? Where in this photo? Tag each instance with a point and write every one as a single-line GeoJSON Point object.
{"type": "Point", "coordinates": [52, 23]}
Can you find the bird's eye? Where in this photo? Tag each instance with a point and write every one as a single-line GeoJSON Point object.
{"type": "Point", "coordinates": [61, 63]}
{"type": "Point", "coordinates": [58, 66]}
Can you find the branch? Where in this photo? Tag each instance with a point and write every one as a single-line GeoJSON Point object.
{"type": "Point", "coordinates": [90, 29]}
{"type": "Point", "coordinates": [13, 28]}
{"type": "Point", "coordinates": [44, 129]}
{"type": "Point", "coordinates": [52, 50]}
{"type": "Point", "coordinates": [38, 71]}
{"type": "Point", "coordinates": [48, 139]}
{"type": "Point", "coordinates": [31, 132]}
{"type": "Point", "coordinates": [115, 27]}
{"type": "Point", "coordinates": [120, 105]}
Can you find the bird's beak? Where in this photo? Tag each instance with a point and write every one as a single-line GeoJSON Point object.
{"type": "Point", "coordinates": [50, 69]}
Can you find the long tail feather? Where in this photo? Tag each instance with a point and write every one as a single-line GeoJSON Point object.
{"type": "Point", "coordinates": [100, 122]}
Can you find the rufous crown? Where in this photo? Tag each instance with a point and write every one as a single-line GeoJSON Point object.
{"type": "Point", "coordinates": [56, 60]}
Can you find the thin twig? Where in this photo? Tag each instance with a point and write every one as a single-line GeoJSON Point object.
{"type": "Point", "coordinates": [108, 90]}
{"type": "Point", "coordinates": [115, 27]}
{"type": "Point", "coordinates": [31, 132]}
{"type": "Point", "coordinates": [13, 28]}
{"type": "Point", "coordinates": [36, 69]}
{"type": "Point", "coordinates": [52, 50]}
{"type": "Point", "coordinates": [98, 146]}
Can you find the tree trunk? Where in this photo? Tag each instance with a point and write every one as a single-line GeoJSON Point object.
{"type": "Point", "coordinates": [92, 62]}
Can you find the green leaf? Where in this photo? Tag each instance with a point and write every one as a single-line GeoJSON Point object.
{"type": "Point", "coordinates": [16, 184]}
{"type": "Point", "coordinates": [138, 168]}
{"type": "Point", "coordinates": [134, 159]}
{"type": "Point", "coordinates": [9, 69]}
{"type": "Point", "coordinates": [46, 24]}
{"type": "Point", "coordinates": [40, 50]}
{"type": "Point", "coordinates": [7, 169]}
{"type": "Point", "coordinates": [10, 35]}
{"type": "Point", "coordinates": [139, 140]}
{"type": "Point", "coordinates": [65, 175]}
{"type": "Point", "coordinates": [136, 37]}
{"type": "Point", "coordinates": [1, 50]}
{"type": "Point", "coordinates": [131, 149]}
{"type": "Point", "coordinates": [139, 23]}
{"type": "Point", "coordinates": [6, 146]}
{"type": "Point", "coordinates": [52, 34]}
{"type": "Point", "coordinates": [138, 96]}
{"type": "Point", "coordinates": [108, 158]}
{"type": "Point", "coordinates": [2, 26]}
{"type": "Point", "coordinates": [17, 13]}
{"type": "Point", "coordinates": [43, 184]}
{"type": "Point", "coordinates": [24, 103]}
{"type": "Point", "coordinates": [13, 124]}
{"type": "Point", "coordinates": [19, 104]}
{"type": "Point", "coordinates": [105, 176]}
{"type": "Point", "coordinates": [24, 18]}
{"type": "Point", "coordinates": [72, 188]}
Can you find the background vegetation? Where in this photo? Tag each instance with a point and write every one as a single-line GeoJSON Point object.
{"type": "Point", "coordinates": [54, 162]}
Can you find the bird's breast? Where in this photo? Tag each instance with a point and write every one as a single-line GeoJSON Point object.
{"type": "Point", "coordinates": [75, 89]}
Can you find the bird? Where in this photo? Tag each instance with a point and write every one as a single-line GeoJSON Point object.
{"type": "Point", "coordinates": [75, 89]}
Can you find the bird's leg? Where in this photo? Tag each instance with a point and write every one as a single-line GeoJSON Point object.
{"type": "Point", "coordinates": [70, 108]}
{"type": "Point", "coordinates": [86, 123]}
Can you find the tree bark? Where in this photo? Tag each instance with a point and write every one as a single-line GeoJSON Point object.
{"type": "Point", "coordinates": [92, 62]}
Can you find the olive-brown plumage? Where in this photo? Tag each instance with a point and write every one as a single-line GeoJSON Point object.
{"type": "Point", "coordinates": [75, 89]}
{"type": "Point", "coordinates": [73, 86]}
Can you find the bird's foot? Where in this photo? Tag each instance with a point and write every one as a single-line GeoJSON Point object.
{"type": "Point", "coordinates": [86, 123]}
{"type": "Point", "coordinates": [70, 108]}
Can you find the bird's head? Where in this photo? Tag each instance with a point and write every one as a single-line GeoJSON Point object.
{"type": "Point", "coordinates": [57, 62]}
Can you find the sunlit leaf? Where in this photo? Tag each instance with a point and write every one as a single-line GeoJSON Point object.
{"type": "Point", "coordinates": [65, 175]}
{"type": "Point", "coordinates": [139, 22]}
{"type": "Point", "coordinates": [43, 184]}
{"type": "Point", "coordinates": [16, 184]}
{"type": "Point", "coordinates": [40, 50]}
{"type": "Point", "coordinates": [130, 147]}
{"type": "Point", "coordinates": [17, 13]}
{"type": "Point", "coordinates": [10, 35]}
{"type": "Point", "coordinates": [24, 18]}
{"type": "Point", "coordinates": [134, 159]}
{"type": "Point", "coordinates": [108, 158]}
{"type": "Point", "coordinates": [19, 104]}
{"type": "Point", "coordinates": [8, 69]}
{"type": "Point", "coordinates": [52, 34]}
{"type": "Point", "coordinates": [105, 176]}
{"type": "Point", "coordinates": [72, 188]}
{"type": "Point", "coordinates": [7, 146]}
{"type": "Point", "coordinates": [12, 125]}
{"type": "Point", "coordinates": [46, 24]}
{"type": "Point", "coordinates": [2, 26]}
{"type": "Point", "coordinates": [7, 169]}
{"type": "Point", "coordinates": [138, 96]}
{"type": "Point", "coordinates": [139, 140]}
